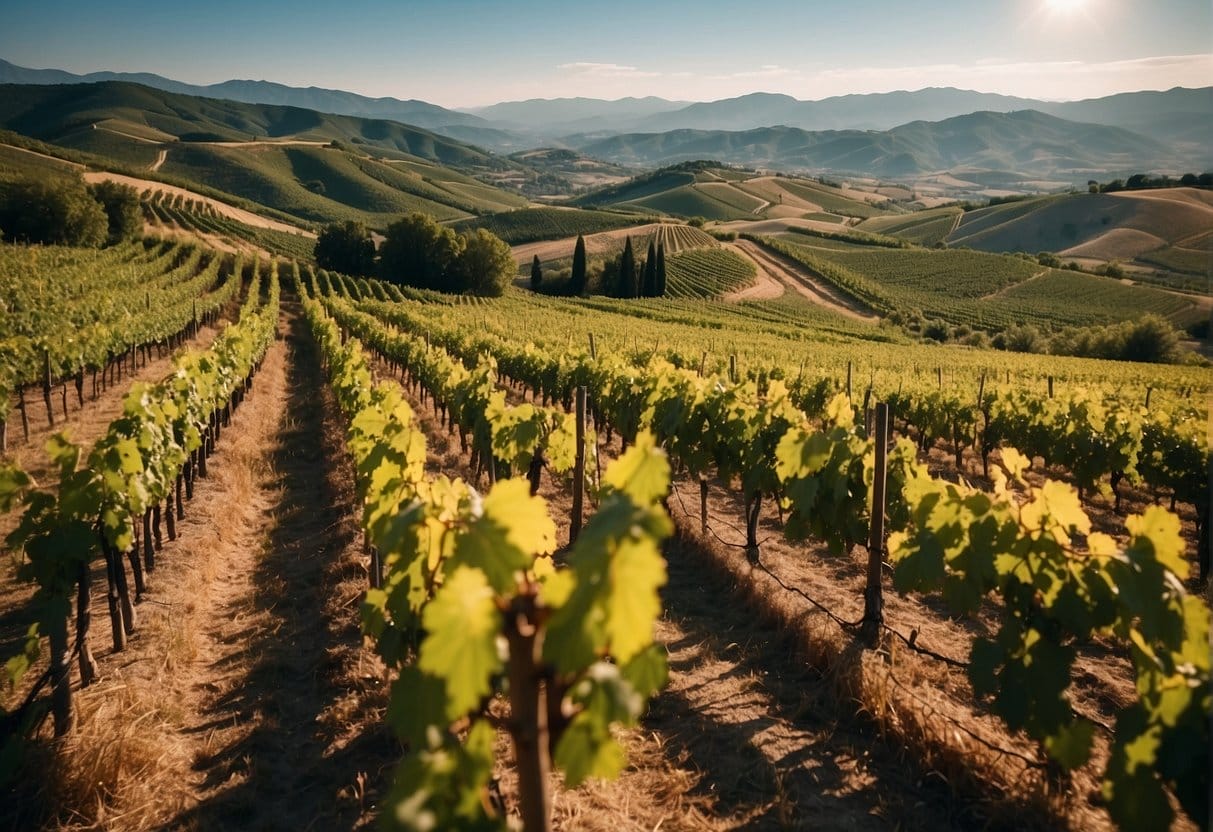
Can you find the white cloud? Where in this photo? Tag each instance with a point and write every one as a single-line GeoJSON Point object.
{"type": "Point", "coordinates": [597, 70]}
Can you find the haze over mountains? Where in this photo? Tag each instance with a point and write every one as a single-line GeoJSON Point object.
{"type": "Point", "coordinates": [883, 134]}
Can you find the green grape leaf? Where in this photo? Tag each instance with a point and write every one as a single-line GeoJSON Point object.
{"type": "Point", "coordinates": [462, 623]}
{"type": "Point", "coordinates": [1071, 746]}
{"type": "Point", "coordinates": [643, 473]}
{"type": "Point", "coordinates": [648, 671]}
{"type": "Point", "coordinates": [632, 605]}
{"type": "Point", "coordinates": [417, 704]}
{"type": "Point", "coordinates": [1155, 534]}
{"type": "Point", "coordinates": [512, 528]}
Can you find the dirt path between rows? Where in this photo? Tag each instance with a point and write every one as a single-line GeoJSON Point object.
{"type": "Point", "coordinates": [1000, 292]}
{"type": "Point", "coordinates": [245, 699]}
{"type": "Point", "coordinates": [764, 287]}
{"type": "Point", "coordinates": [808, 285]}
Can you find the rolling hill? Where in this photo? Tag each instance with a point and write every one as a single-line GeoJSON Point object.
{"type": "Point", "coordinates": [312, 166]}
{"type": "Point", "coordinates": [715, 192]}
{"type": "Point", "coordinates": [1032, 143]}
{"type": "Point", "coordinates": [1168, 228]}
{"type": "Point", "coordinates": [420, 113]}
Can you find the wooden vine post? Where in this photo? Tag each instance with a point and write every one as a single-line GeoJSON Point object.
{"type": "Point", "coordinates": [578, 467]}
{"type": "Point", "coordinates": [873, 598]}
{"type": "Point", "coordinates": [46, 386]}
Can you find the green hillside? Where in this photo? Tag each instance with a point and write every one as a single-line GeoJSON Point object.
{"type": "Point", "coordinates": [312, 166]}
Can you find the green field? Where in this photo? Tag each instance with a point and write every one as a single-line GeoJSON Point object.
{"type": "Point", "coordinates": [988, 291]}
{"type": "Point", "coordinates": [922, 227]}
{"type": "Point", "coordinates": [527, 225]}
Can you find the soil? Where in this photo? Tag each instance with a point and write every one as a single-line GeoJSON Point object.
{"type": "Point", "coordinates": [765, 285]}
{"type": "Point", "coordinates": [798, 278]}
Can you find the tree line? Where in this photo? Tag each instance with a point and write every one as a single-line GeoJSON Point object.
{"type": "Point", "coordinates": [620, 277]}
{"type": "Point", "coordinates": [1144, 181]}
{"type": "Point", "coordinates": [67, 211]}
{"type": "Point", "coordinates": [419, 252]}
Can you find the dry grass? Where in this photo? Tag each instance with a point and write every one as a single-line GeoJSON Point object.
{"type": "Point", "coordinates": [246, 698]}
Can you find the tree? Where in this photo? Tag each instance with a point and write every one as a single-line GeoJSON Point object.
{"type": "Point", "coordinates": [1151, 338]}
{"type": "Point", "coordinates": [347, 248]}
{"type": "Point", "coordinates": [485, 265]}
{"type": "Point", "coordinates": [1189, 180]}
{"type": "Point", "coordinates": [577, 279]}
{"type": "Point", "coordinates": [58, 211]}
{"type": "Point", "coordinates": [123, 212]}
{"type": "Point", "coordinates": [419, 252]}
{"type": "Point", "coordinates": [625, 287]}
{"type": "Point", "coordinates": [536, 274]}
{"type": "Point", "coordinates": [661, 270]}
{"type": "Point", "coordinates": [649, 283]}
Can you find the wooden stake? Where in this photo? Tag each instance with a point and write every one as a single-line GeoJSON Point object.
{"type": "Point", "coordinates": [578, 468]}
{"type": "Point", "coordinates": [873, 608]}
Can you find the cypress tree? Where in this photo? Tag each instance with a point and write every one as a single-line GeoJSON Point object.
{"type": "Point", "coordinates": [627, 271]}
{"type": "Point", "coordinates": [649, 289]}
{"type": "Point", "coordinates": [536, 273]}
{"type": "Point", "coordinates": [577, 280]}
{"type": "Point", "coordinates": [661, 270]}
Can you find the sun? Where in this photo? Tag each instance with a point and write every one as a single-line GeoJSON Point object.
{"type": "Point", "coordinates": [1066, 7]}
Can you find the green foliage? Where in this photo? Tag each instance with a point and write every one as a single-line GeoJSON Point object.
{"type": "Point", "coordinates": [419, 252]}
{"type": "Point", "coordinates": [536, 273]}
{"type": "Point", "coordinates": [346, 247]}
{"type": "Point", "coordinates": [485, 265]}
{"type": "Point", "coordinates": [625, 275]}
{"type": "Point", "coordinates": [122, 210]}
{"type": "Point", "coordinates": [704, 273]}
{"type": "Point", "coordinates": [577, 282]}
{"type": "Point", "coordinates": [56, 211]}
{"type": "Point", "coordinates": [470, 582]}
{"type": "Point", "coordinates": [1053, 592]}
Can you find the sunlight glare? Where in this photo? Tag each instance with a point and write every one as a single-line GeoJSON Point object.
{"type": "Point", "coordinates": [1066, 7]}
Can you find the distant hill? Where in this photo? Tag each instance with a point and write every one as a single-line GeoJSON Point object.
{"type": "Point", "coordinates": [556, 116]}
{"type": "Point", "coordinates": [1029, 142]}
{"type": "Point", "coordinates": [714, 192]}
{"type": "Point", "coordinates": [1164, 228]}
{"type": "Point", "coordinates": [1176, 115]}
{"type": "Point", "coordinates": [313, 166]}
{"type": "Point", "coordinates": [419, 113]}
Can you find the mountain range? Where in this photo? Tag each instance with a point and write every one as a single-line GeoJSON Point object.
{"type": "Point", "coordinates": [1180, 116]}
{"type": "Point", "coordinates": [1030, 143]}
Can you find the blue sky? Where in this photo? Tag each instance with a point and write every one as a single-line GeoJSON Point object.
{"type": "Point", "coordinates": [472, 52]}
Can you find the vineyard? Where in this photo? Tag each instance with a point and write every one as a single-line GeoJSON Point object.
{"type": "Point", "coordinates": [979, 289]}
{"type": "Point", "coordinates": [984, 567]}
{"type": "Point", "coordinates": [526, 225]}
{"type": "Point", "coordinates": [707, 273]}
{"type": "Point", "coordinates": [175, 211]}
